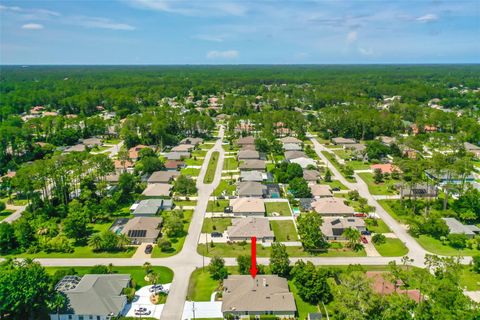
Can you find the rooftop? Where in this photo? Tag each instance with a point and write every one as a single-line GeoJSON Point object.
{"type": "Point", "coordinates": [246, 205]}
{"type": "Point", "coordinates": [250, 227]}
{"type": "Point", "coordinates": [332, 206]}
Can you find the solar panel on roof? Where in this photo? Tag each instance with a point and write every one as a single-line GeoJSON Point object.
{"type": "Point", "coordinates": [137, 233]}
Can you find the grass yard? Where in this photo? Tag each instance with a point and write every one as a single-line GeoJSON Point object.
{"type": "Point", "coordinates": [377, 225]}
{"type": "Point", "coordinates": [284, 230]}
{"type": "Point", "coordinates": [334, 162]}
{"type": "Point", "coordinates": [199, 153]}
{"type": "Point", "coordinates": [237, 249]}
{"type": "Point", "coordinates": [212, 166]}
{"type": "Point", "coordinates": [177, 243]}
{"type": "Point", "coordinates": [80, 252]}
{"type": "Point", "coordinates": [5, 213]}
{"type": "Point", "coordinates": [230, 148]}
{"type": "Point", "coordinates": [137, 273]}
{"type": "Point", "coordinates": [193, 162]}
{"type": "Point", "coordinates": [206, 146]}
{"type": "Point", "coordinates": [343, 154]}
{"type": "Point", "coordinates": [192, 172]}
{"type": "Point", "coordinates": [270, 167]}
{"type": "Point", "coordinates": [384, 188]}
{"type": "Point", "coordinates": [201, 285]}
{"type": "Point", "coordinates": [216, 224]}
{"type": "Point", "coordinates": [217, 205]}
{"type": "Point", "coordinates": [230, 164]}
{"type": "Point", "coordinates": [392, 248]}
{"type": "Point", "coordinates": [386, 205]}
{"type": "Point", "coordinates": [437, 247]}
{"type": "Point", "coordinates": [184, 203]}
{"type": "Point", "coordinates": [112, 141]}
{"type": "Point", "coordinates": [358, 165]}
{"type": "Point", "coordinates": [335, 184]}
{"type": "Point", "coordinates": [303, 308]}
{"type": "Point", "coordinates": [279, 207]}
{"type": "Point", "coordinates": [469, 279]}
{"type": "Point", "coordinates": [225, 187]}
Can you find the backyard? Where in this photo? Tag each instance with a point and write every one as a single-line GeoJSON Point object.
{"type": "Point", "coordinates": [282, 208]}
{"type": "Point", "coordinates": [284, 230]}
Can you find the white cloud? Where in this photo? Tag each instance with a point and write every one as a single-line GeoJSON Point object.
{"type": "Point", "coordinates": [28, 13]}
{"type": "Point", "coordinates": [208, 37]}
{"type": "Point", "coordinates": [365, 51]}
{"type": "Point", "coordinates": [101, 23]}
{"type": "Point", "coordinates": [192, 8]}
{"type": "Point", "coordinates": [430, 17]}
{"type": "Point", "coordinates": [32, 26]}
{"type": "Point", "coordinates": [352, 36]}
{"type": "Point", "coordinates": [228, 54]}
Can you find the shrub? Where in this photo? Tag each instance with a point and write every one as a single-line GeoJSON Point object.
{"type": "Point", "coordinates": [99, 269]}
{"type": "Point", "coordinates": [164, 245]}
{"type": "Point", "coordinates": [458, 241]}
{"type": "Point", "coordinates": [2, 206]}
{"type": "Point", "coordinates": [379, 238]}
{"type": "Point", "coordinates": [476, 264]}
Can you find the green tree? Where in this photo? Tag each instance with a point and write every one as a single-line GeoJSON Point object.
{"type": "Point", "coordinates": [311, 282]}
{"type": "Point", "coordinates": [299, 188]}
{"type": "Point", "coordinates": [7, 238]}
{"type": "Point", "coordinates": [377, 176]}
{"type": "Point", "coordinates": [75, 224]}
{"type": "Point", "coordinates": [353, 237]}
{"type": "Point", "coordinates": [185, 185]}
{"type": "Point", "coordinates": [328, 176]}
{"type": "Point", "coordinates": [217, 268]}
{"type": "Point", "coordinates": [309, 230]}
{"type": "Point", "coordinates": [243, 263]}
{"type": "Point", "coordinates": [279, 261]}
{"type": "Point", "coordinates": [379, 238]}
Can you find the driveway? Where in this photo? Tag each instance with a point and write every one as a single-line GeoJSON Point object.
{"type": "Point", "coordinates": [142, 300]}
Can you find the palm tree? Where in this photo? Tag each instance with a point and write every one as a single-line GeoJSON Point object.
{"type": "Point", "coordinates": [123, 240]}
{"type": "Point", "coordinates": [353, 237]}
{"type": "Point", "coordinates": [147, 266]}
{"type": "Point", "coordinates": [96, 241]}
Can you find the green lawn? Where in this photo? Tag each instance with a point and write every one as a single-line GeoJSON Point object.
{"type": "Point", "coordinates": [230, 164]}
{"type": "Point", "coordinates": [342, 153]}
{"type": "Point", "coordinates": [377, 225]}
{"type": "Point", "coordinates": [436, 246]}
{"type": "Point", "coordinates": [392, 248]}
{"type": "Point", "coordinates": [334, 162]}
{"type": "Point", "coordinates": [215, 224]}
{"type": "Point", "coordinates": [199, 153]}
{"type": "Point", "coordinates": [201, 286]}
{"type": "Point", "coordinates": [383, 188]}
{"type": "Point", "coordinates": [386, 205]}
{"type": "Point", "coordinates": [279, 207]}
{"type": "Point", "coordinates": [193, 162]}
{"type": "Point", "coordinates": [237, 249]}
{"type": "Point", "coordinates": [469, 279]}
{"type": "Point", "coordinates": [303, 308]}
{"type": "Point", "coordinates": [112, 141]}
{"type": "Point", "coordinates": [284, 230]}
{"type": "Point", "coordinates": [5, 213]}
{"type": "Point", "coordinates": [193, 172]}
{"type": "Point", "coordinates": [206, 146]}
{"type": "Point", "coordinates": [226, 185]}
{"type": "Point", "coordinates": [137, 273]}
{"type": "Point", "coordinates": [212, 166]}
{"type": "Point", "coordinates": [185, 203]}
{"type": "Point", "coordinates": [217, 205]}
{"type": "Point", "coordinates": [177, 243]}
{"type": "Point", "coordinates": [358, 165]}
{"type": "Point", "coordinates": [80, 252]}
{"type": "Point", "coordinates": [335, 184]}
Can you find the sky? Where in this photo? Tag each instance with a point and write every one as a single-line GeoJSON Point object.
{"type": "Point", "coordinates": [239, 32]}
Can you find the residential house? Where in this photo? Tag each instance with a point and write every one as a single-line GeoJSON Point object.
{"type": "Point", "coordinates": [133, 153]}
{"type": "Point", "coordinates": [112, 178]}
{"type": "Point", "coordinates": [387, 141]}
{"type": "Point", "coordinates": [157, 190]}
{"type": "Point", "coordinates": [332, 207]}
{"type": "Point", "coordinates": [176, 155]}
{"type": "Point", "coordinates": [92, 142]}
{"type": "Point", "coordinates": [249, 165]}
{"type": "Point", "coordinates": [255, 176]}
{"type": "Point", "coordinates": [292, 147]}
{"type": "Point", "coordinates": [145, 208]}
{"type": "Point", "coordinates": [244, 296]}
{"type": "Point", "coordinates": [248, 207]}
{"type": "Point", "coordinates": [248, 147]}
{"type": "Point", "coordinates": [123, 166]}
{"type": "Point", "coordinates": [304, 162]}
{"type": "Point", "coordinates": [248, 155]}
{"type": "Point", "coordinates": [142, 229]}
{"type": "Point", "coordinates": [243, 229]}
{"type": "Point", "coordinates": [456, 227]}
{"type": "Point", "coordinates": [382, 284]}
{"type": "Point", "coordinates": [183, 148]}
{"type": "Point", "coordinates": [76, 148]}
{"type": "Point", "coordinates": [173, 165]}
{"type": "Point", "coordinates": [333, 227]}
{"type": "Point", "coordinates": [419, 190]}
{"type": "Point", "coordinates": [290, 155]}
{"type": "Point", "coordinates": [93, 296]}
{"type": "Point", "coordinates": [191, 140]}
{"type": "Point", "coordinates": [343, 141]}
{"type": "Point", "coordinates": [251, 189]}
{"type": "Point", "coordinates": [321, 190]}
{"type": "Point", "coordinates": [163, 176]}
{"type": "Point", "coordinates": [385, 168]}
{"type": "Point", "coordinates": [472, 149]}
{"type": "Point", "coordinates": [246, 140]}
{"type": "Point", "coordinates": [311, 175]}
{"type": "Point", "coordinates": [290, 140]}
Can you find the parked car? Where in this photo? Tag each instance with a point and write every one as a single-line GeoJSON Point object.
{"type": "Point", "coordinates": [156, 288]}
{"type": "Point", "coordinates": [336, 189]}
{"type": "Point", "coordinates": [142, 312]}
{"type": "Point", "coordinates": [228, 210]}
{"type": "Point", "coordinates": [364, 240]}
{"type": "Point", "coordinates": [366, 233]}
{"type": "Point", "coordinates": [359, 214]}
{"type": "Point", "coordinates": [148, 249]}
{"type": "Point", "coordinates": [216, 234]}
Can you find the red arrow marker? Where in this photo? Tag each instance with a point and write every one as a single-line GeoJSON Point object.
{"type": "Point", "coordinates": [253, 266]}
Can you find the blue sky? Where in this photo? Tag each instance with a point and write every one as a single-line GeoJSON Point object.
{"type": "Point", "coordinates": [238, 32]}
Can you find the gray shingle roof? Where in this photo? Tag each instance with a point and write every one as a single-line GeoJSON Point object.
{"type": "Point", "coordinates": [251, 189]}
{"type": "Point", "coordinates": [250, 227]}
